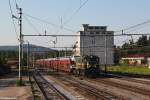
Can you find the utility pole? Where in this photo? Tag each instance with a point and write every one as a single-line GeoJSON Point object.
{"type": "Point", "coordinates": [28, 57]}
{"type": "Point", "coordinates": [32, 59]}
{"type": "Point", "coordinates": [65, 52]}
{"type": "Point", "coordinates": [105, 53]}
{"type": "Point", "coordinates": [20, 43]}
{"type": "Point", "coordinates": [28, 54]}
{"type": "Point", "coordinates": [20, 40]}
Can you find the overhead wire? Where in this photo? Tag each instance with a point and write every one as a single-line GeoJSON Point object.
{"type": "Point", "coordinates": [60, 26]}
{"type": "Point", "coordinates": [132, 27]}
{"type": "Point", "coordinates": [133, 30]}
{"type": "Point", "coordinates": [13, 21]}
{"type": "Point", "coordinates": [16, 4]}
{"type": "Point", "coordinates": [52, 24]}
{"type": "Point", "coordinates": [71, 17]}
{"type": "Point", "coordinates": [32, 26]}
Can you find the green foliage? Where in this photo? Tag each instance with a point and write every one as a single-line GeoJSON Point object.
{"type": "Point", "coordinates": [141, 46]}
{"type": "Point", "coordinates": [19, 83]}
{"type": "Point", "coordinates": [117, 55]}
{"type": "Point", "coordinates": [142, 41]}
{"type": "Point", "coordinates": [130, 69]}
{"type": "Point", "coordinates": [137, 47]}
{"type": "Point", "coordinates": [125, 62]}
{"type": "Point", "coordinates": [5, 55]}
{"type": "Point", "coordinates": [36, 97]}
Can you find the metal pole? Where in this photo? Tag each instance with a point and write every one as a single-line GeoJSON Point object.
{"type": "Point", "coordinates": [105, 54]}
{"type": "Point", "coordinates": [33, 61]}
{"type": "Point", "coordinates": [65, 52]}
{"type": "Point", "coordinates": [28, 59]}
{"type": "Point", "coordinates": [19, 58]}
{"type": "Point", "coordinates": [28, 54]}
{"type": "Point", "coordinates": [20, 43]}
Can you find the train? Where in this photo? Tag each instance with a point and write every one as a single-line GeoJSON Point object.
{"type": "Point", "coordinates": [77, 65]}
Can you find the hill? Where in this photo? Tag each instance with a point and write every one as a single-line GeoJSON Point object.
{"type": "Point", "coordinates": [25, 46]}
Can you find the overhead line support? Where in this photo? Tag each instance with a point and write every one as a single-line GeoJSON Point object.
{"type": "Point", "coordinates": [85, 35]}
{"type": "Point", "coordinates": [20, 43]}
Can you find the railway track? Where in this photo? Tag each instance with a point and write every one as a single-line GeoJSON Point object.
{"type": "Point", "coordinates": [96, 94]}
{"type": "Point", "coordinates": [49, 92]}
{"type": "Point", "coordinates": [126, 87]}
{"type": "Point", "coordinates": [129, 79]}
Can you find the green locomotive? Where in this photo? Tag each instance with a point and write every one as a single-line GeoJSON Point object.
{"type": "Point", "coordinates": [86, 66]}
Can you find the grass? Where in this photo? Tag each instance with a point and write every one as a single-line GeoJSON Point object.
{"type": "Point", "coordinates": [19, 83]}
{"type": "Point", "coordinates": [130, 69]}
{"type": "Point", "coordinates": [37, 97]}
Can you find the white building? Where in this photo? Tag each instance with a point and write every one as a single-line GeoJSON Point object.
{"type": "Point", "coordinates": [95, 40]}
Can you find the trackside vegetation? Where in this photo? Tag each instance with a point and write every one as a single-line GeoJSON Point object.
{"type": "Point", "coordinates": [129, 70]}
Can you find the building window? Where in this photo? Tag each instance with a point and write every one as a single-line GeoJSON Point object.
{"type": "Point", "coordinates": [97, 32]}
{"type": "Point", "coordinates": [90, 27]}
{"type": "Point", "coordinates": [91, 32]}
{"type": "Point", "coordinates": [102, 27]}
{"type": "Point", "coordinates": [92, 41]}
{"type": "Point", "coordinates": [96, 27]}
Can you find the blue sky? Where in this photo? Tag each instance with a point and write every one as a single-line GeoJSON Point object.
{"type": "Point", "coordinates": [116, 14]}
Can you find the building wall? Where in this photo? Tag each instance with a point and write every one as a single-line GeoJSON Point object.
{"type": "Point", "coordinates": [92, 42]}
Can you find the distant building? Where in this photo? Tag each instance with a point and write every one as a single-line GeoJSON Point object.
{"type": "Point", "coordinates": [136, 60]}
{"type": "Point", "coordinates": [92, 40]}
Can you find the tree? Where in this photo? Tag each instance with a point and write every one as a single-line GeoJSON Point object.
{"type": "Point", "coordinates": [125, 46]}
{"type": "Point", "coordinates": [142, 41]}
{"type": "Point", "coordinates": [117, 55]}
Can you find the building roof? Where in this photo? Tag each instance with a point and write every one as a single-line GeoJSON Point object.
{"type": "Point", "coordinates": [136, 56]}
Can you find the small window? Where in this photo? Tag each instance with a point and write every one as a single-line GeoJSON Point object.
{"type": "Point", "coordinates": [96, 27]}
{"type": "Point", "coordinates": [102, 27]}
{"type": "Point", "coordinates": [92, 41]}
{"type": "Point", "coordinates": [90, 27]}
{"type": "Point", "coordinates": [97, 32]}
{"type": "Point", "coordinates": [91, 32]}
{"type": "Point", "coordinates": [81, 33]}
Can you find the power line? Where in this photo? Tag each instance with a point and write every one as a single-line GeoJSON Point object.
{"type": "Point", "coordinates": [134, 26]}
{"type": "Point", "coordinates": [136, 29]}
{"type": "Point", "coordinates": [16, 4]}
{"type": "Point", "coordinates": [52, 24]}
{"type": "Point", "coordinates": [33, 27]}
{"type": "Point", "coordinates": [60, 35]}
{"type": "Point", "coordinates": [13, 21]}
{"type": "Point", "coordinates": [76, 12]}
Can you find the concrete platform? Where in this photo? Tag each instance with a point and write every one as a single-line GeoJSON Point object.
{"type": "Point", "coordinates": [15, 93]}
{"type": "Point", "coordinates": [9, 90]}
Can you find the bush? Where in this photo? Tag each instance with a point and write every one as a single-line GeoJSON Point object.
{"type": "Point", "coordinates": [19, 83]}
{"type": "Point", "coordinates": [124, 62]}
